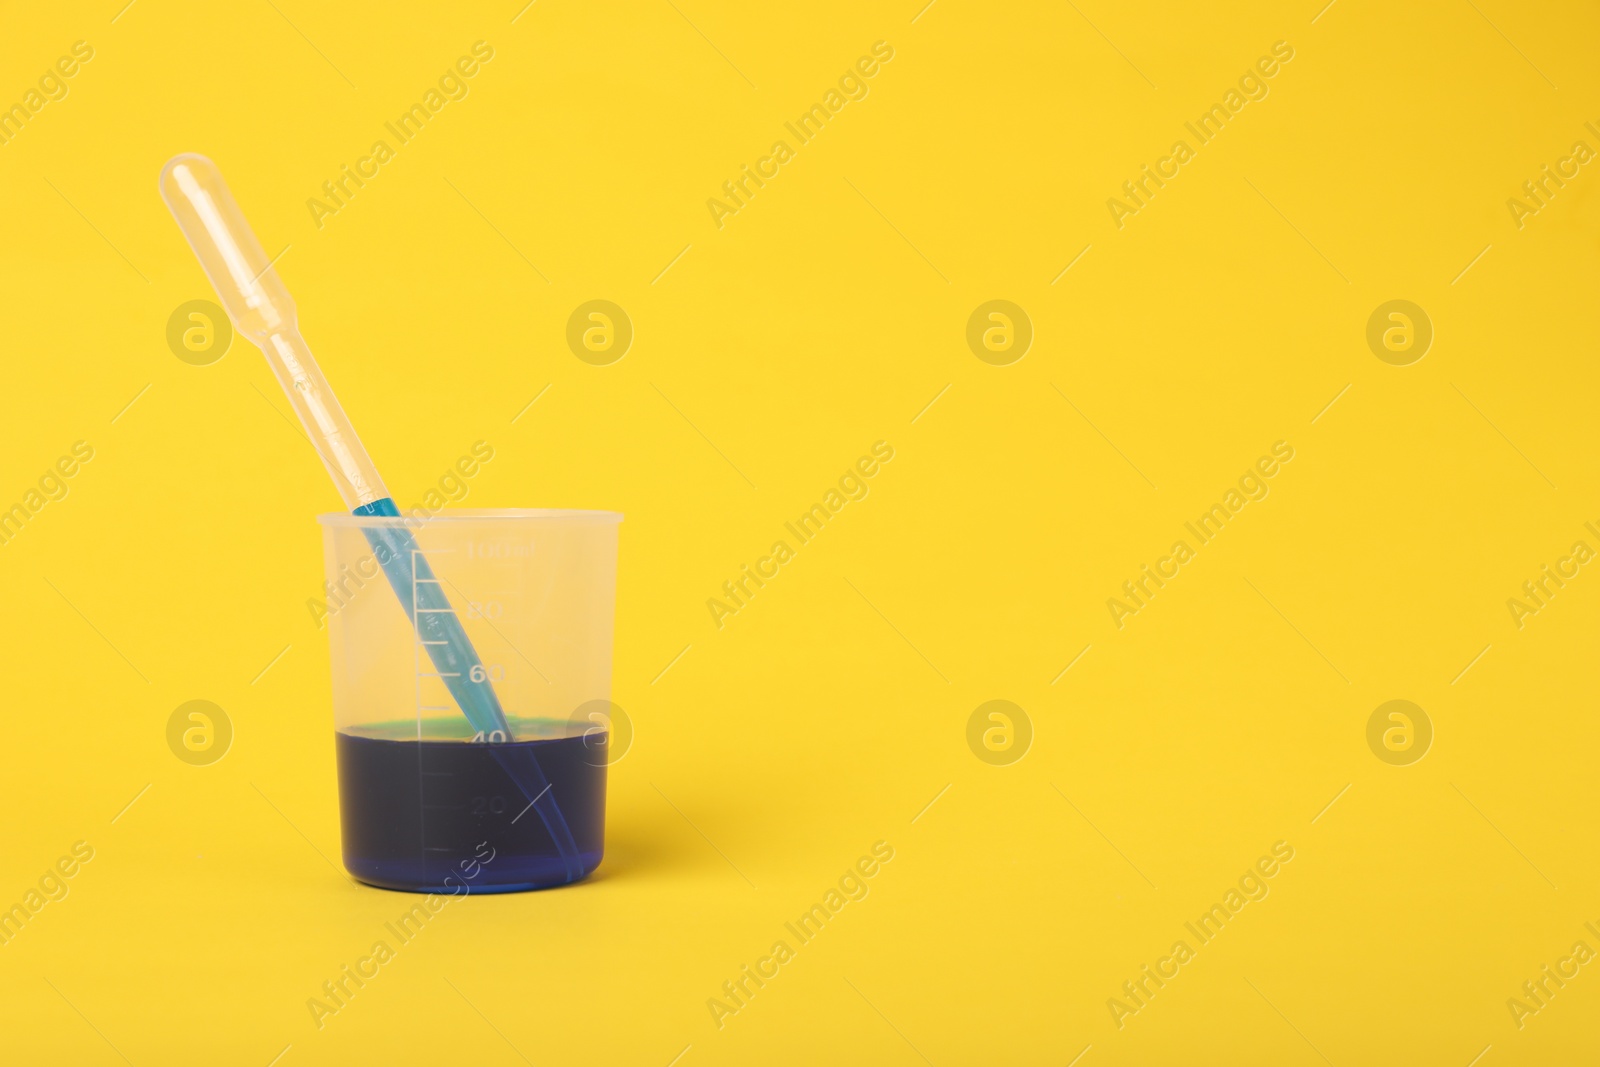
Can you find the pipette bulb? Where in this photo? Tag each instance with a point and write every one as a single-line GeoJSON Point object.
{"type": "Point", "coordinates": [255, 299]}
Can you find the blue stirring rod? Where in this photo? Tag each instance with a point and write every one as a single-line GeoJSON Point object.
{"type": "Point", "coordinates": [263, 311]}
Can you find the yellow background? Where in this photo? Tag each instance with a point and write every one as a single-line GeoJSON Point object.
{"type": "Point", "coordinates": [825, 716]}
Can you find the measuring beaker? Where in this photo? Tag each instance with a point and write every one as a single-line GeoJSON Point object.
{"type": "Point", "coordinates": [514, 606]}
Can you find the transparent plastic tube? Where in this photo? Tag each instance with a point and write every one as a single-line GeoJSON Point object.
{"type": "Point", "coordinates": [263, 311]}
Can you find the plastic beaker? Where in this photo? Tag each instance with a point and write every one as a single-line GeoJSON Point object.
{"type": "Point", "coordinates": [428, 802]}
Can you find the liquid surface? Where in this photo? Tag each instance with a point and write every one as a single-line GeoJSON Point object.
{"type": "Point", "coordinates": [449, 815]}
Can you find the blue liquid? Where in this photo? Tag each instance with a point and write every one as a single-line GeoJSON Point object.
{"type": "Point", "coordinates": [423, 815]}
{"type": "Point", "coordinates": [423, 597]}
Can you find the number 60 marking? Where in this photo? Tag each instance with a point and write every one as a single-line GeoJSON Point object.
{"type": "Point", "coordinates": [492, 673]}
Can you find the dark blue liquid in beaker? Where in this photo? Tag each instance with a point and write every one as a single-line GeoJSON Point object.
{"type": "Point", "coordinates": [440, 815]}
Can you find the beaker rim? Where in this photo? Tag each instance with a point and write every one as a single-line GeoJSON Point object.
{"type": "Point", "coordinates": [555, 515]}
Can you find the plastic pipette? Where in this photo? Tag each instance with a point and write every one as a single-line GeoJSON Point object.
{"type": "Point", "coordinates": [262, 310]}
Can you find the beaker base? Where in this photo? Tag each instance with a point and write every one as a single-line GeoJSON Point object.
{"type": "Point", "coordinates": [403, 878]}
